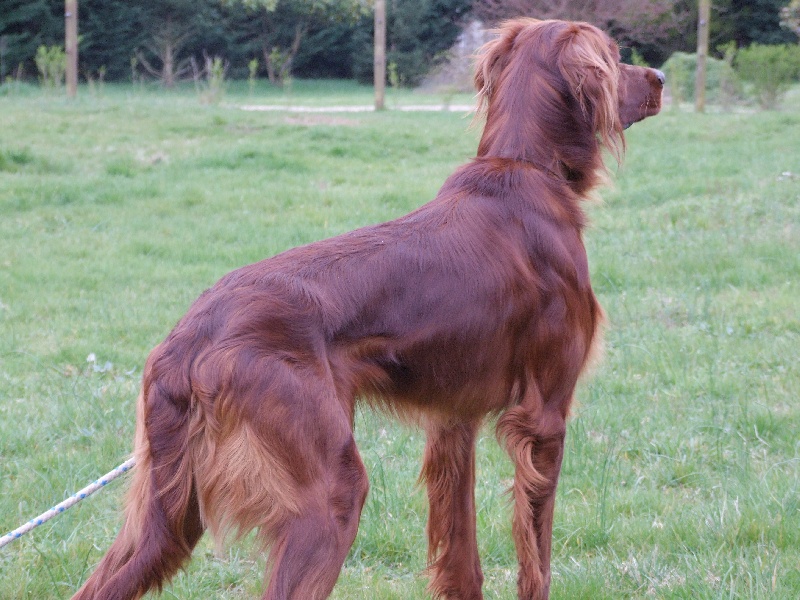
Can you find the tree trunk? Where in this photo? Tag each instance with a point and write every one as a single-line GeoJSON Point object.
{"type": "Point", "coordinates": [300, 31]}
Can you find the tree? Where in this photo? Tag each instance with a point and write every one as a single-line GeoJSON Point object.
{"type": "Point", "coordinates": [111, 32]}
{"type": "Point", "coordinates": [171, 25]}
{"type": "Point", "coordinates": [279, 26]}
{"type": "Point", "coordinates": [749, 21]}
{"type": "Point", "coordinates": [790, 17]}
{"type": "Point", "coordinates": [327, 52]}
{"type": "Point", "coordinates": [419, 34]}
{"type": "Point", "coordinates": [770, 69]}
{"type": "Point", "coordinates": [24, 26]}
{"type": "Point", "coordinates": [655, 27]}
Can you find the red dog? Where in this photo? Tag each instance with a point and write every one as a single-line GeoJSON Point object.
{"type": "Point", "coordinates": [476, 304]}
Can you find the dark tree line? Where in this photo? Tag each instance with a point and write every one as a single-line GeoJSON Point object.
{"type": "Point", "coordinates": [158, 38]}
{"type": "Point", "coordinates": [121, 39]}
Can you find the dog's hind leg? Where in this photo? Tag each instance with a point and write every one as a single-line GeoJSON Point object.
{"type": "Point", "coordinates": [313, 428]}
{"type": "Point", "coordinates": [309, 549]}
{"type": "Point", "coordinates": [275, 453]}
{"type": "Point", "coordinates": [449, 472]}
{"type": "Point", "coordinates": [162, 517]}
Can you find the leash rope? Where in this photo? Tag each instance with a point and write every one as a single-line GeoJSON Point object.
{"type": "Point", "coordinates": [68, 503]}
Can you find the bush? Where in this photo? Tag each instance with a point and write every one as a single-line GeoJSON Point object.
{"type": "Point", "coordinates": [770, 69]}
{"type": "Point", "coordinates": [419, 34]}
{"type": "Point", "coordinates": [51, 61]}
{"type": "Point", "coordinates": [680, 69]}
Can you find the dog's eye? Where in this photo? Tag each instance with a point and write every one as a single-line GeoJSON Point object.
{"type": "Point", "coordinates": [626, 55]}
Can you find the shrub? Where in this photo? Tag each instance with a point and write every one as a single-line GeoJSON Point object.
{"type": "Point", "coordinates": [210, 80]}
{"type": "Point", "coordinates": [770, 69]}
{"type": "Point", "coordinates": [790, 17]}
{"type": "Point", "coordinates": [252, 68]}
{"type": "Point", "coordinates": [51, 61]}
{"type": "Point", "coordinates": [419, 34]}
{"type": "Point", "coordinates": [680, 68]}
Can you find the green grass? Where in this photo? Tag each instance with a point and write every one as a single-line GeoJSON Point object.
{"type": "Point", "coordinates": [300, 92]}
{"type": "Point", "coordinates": [682, 470]}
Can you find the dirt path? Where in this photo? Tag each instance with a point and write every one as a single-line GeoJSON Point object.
{"type": "Point", "coordinates": [460, 108]}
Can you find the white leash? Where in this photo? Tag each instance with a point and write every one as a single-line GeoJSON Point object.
{"type": "Point", "coordinates": [69, 502]}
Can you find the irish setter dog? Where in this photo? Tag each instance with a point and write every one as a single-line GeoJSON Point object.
{"type": "Point", "coordinates": [477, 304]}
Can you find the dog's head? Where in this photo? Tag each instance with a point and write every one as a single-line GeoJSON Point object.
{"type": "Point", "coordinates": [567, 70]}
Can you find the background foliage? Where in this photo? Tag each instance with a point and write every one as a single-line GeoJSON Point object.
{"type": "Point", "coordinates": [333, 38]}
{"type": "Point", "coordinates": [771, 70]}
{"type": "Point", "coordinates": [680, 70]}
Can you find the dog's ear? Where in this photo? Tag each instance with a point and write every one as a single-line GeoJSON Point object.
{"type": "Point", "coordinates": [493, 58]}
{"type": "Point", "coordinates": [590, 68]}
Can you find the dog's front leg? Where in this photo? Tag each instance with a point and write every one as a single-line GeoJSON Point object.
{"type": "Point", "coordinates": [449, 472]}
{"type": "Point", "coordinates": [536, 446]}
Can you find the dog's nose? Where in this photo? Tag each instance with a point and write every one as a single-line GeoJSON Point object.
{"type": "Point", "coordinates": [660, 76]}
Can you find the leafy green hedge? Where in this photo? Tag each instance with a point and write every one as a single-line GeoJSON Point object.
{"type": "Point", "coordinates": [721, 80]}
{"type": "Point", "coordinates": [770, 70]}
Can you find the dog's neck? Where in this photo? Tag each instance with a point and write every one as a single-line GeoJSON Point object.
{"type": "Point", "coordinates": [555, 143]}
{"type": "Point", "coordinates": [555, 169]}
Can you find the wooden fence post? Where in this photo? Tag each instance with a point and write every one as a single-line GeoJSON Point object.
{"type": "Point", "coordinates": [704, 16]}
{"type": "Point", "coordinates": [380, 54]}
{"type": "Point", "coordinates": [71, 45]}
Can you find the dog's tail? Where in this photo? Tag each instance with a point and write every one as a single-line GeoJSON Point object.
{"type": "Point", "coordinates": [162, 517]}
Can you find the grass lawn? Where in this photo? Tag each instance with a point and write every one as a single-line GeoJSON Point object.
{"type": "Point", "coordinates": [682, 470]}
